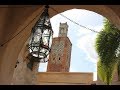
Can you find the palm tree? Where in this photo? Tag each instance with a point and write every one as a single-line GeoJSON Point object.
{"type": "Point", "coordinates": [107, 47]}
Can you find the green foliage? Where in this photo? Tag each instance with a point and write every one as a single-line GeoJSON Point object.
{"type": "Point", "coordinates": [100, 71]}
{"type": "Point", "coordinates": [107, 43]}
{"type": "Point", "coordinates": [118, 70]}
{"type": "Point", "coordinates": [105, 73]}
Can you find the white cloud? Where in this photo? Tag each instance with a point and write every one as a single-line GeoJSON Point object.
{"type": "Point", "coordinates": [77, 15]}
{"type": "Point", "coordinates": [81, 31]}
{"type": "Point", "coordinates": [86, 42]}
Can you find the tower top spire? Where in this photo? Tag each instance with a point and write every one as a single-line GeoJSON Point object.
{"type": "Point", "coordinates": [63, 29]}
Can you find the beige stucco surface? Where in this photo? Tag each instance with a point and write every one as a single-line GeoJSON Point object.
{"type": "Point", "coordinates": [64, 78]}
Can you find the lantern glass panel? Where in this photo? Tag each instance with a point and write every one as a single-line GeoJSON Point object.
{"type": "Point", "coordinates": [41, 38]}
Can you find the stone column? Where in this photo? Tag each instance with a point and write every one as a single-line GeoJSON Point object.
{"type": "Point", "coordinates": [35, 71]}
{"type": "Point", "coordinates": [22, 74]}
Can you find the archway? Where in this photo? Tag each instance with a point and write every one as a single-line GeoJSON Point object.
{"type": "Point", "coordinates": [11, 50]}
{"type": "Point", "coordinates": [76, 15]}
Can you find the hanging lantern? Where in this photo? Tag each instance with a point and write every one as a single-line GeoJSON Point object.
{"type": "Point", "coordinates": [41, 39]}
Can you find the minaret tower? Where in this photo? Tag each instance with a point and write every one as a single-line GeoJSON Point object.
{"type": "Point", "coordinates": [59, 58]}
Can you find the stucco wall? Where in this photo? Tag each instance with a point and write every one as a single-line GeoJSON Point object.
{"type": "Point", "coordinates": [64, 78]}
{"type": "Point", "coordinates": [22, 74]}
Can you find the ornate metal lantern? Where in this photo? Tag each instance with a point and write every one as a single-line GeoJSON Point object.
{"type": "Point", "coordinates": [41, 39]}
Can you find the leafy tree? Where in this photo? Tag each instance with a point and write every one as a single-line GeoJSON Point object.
{"type": "Point", "coordinates": [107, 43]}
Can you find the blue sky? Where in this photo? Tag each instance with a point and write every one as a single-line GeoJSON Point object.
{"type": "Point", "coordinates": [83, 55]}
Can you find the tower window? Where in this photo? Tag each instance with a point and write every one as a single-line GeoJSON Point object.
{"type": "Point", "coordinates": [59, 58]}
